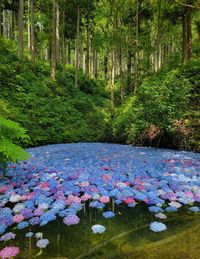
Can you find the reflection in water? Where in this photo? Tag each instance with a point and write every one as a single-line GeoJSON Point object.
{"type": "Point", "coordinates": [127, 235]}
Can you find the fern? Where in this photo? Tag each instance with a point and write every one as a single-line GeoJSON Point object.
{"type": "Point", "coordinates": [10, 132]}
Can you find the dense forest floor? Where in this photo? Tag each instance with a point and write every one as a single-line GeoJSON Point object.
{"type": "Point", "coordinates": [165, 112]}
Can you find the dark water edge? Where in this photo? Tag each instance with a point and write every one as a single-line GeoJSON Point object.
{"type": "Point", "coordinates": [127, 235]}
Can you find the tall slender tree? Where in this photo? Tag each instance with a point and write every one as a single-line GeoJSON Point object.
{"type": "Point", "coordinates": [20, 28]}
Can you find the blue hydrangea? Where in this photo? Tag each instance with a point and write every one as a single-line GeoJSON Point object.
{"type": "Point", "coordinates": [194, 209]}
{"type": "Point", "coordinates": [3, 228]}
{"type": "Point", "coordinates": [108, 214]}
{"type": "Point", "coordinates": [29, 234]}
{"type": "Point", "coordinates": [22, 225]}
{"type": "Point", "coordinates": [98, 229]}
{"type": "Point", "coordinates": [157, 226]}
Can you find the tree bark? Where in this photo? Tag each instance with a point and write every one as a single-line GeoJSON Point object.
{"type": "Point", "coordinates": [1, 9]}
{"type": "Point", "coordinates": [63, 48]}
{"type": "Point", "coordinates": [28, 28]}
{"type": "Point", "coordinates": [87, 46]}
{"type": "Point", "coordinates": [13, 23]}
{"type": "Point", "coordinates": [69, 53]}
{"type": "Point", "coordinates": [32, 31]}
{"type": "Point", "coordinates": [54, 42]}
{"type": "Point", "coordinates": [77, 45]}
{"type": "Point", "coordinates": [186, 34]}
{"type": "Point", "coordinates": [20, 28]}
{"type": "Point", "coordinates": [136, 48]}
{"type": "Point", "coordinates": [112, 84]}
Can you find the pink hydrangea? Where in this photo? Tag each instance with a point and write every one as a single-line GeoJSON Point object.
{"type": "Point", "coordinates": [72, 199]}
{"type": "Point", "coordinates": [129, 200]}
{"type": "Point", "coordinates": [18, 218]}
{"type": "Point", "coordinates": [86, 197]}
{"type": "Point", "coordinates": [106, 177]}
{"type": "Point", "coordinates": [3, 189]}
{"type": "Point", "coordinates": [9, 252]}
{"type": "Point", "coordinates": [104, 199]}
{"type": "Point", "coordinates": [84, 184]}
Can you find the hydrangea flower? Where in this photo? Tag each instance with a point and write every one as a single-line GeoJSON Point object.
{"type": "Point", "coordinates": [157, 226]}
{"type": "Point", "coordinates": [160, 216]}
{"type": "Point", "coordinates": [29, 234]}
{"type": "Point", "coordinates": [9, 252]}
{"type": "Point", "coordinates": [8, 236]}
{"type": "Point", "coordinates": [108, 214]}
{"type": "Point", "coordinates": [42, 243]}
{"type": "Point", "coordinates": [22, 225]}
{"type": "Point", "coordinates": [71, 220]}
{"type": "Point", "coordinates": [39, 235]}
{"type": "Point", "coordinates": [194, 209]}
{"type": "Point", "coordinates": [98, 229]}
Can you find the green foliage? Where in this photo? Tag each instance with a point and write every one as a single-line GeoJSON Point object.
{"type": "Point", "coordinates": [162, 100]}
{"type": "Point", "coordinates": [10, 132]}
{"type": "Point", "coordinates": [52, 112]}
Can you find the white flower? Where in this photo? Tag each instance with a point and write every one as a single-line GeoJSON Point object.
{"type": "Point", "coordinates": [98, 229]}
{"type": "Point", "coordinates": [15, 198]}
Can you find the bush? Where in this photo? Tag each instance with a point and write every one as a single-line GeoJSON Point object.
{"type": "Point", "coordinates": [10, 132]}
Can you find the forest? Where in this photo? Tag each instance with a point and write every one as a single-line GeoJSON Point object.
{"type": "Point", "coordinates": [100, 129]}
{"type": "Point", "coordinates": [120, 71]}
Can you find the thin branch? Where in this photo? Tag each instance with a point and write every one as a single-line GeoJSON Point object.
{"type": "Point", "coordinates": [188, 5]}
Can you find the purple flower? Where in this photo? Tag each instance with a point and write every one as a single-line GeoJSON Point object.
{"type": "Point", "coordinates": [71, 220]}
{"type": "Point", "coordinates": [34, 221]}
{"type": "Point", "coordinates": [7, 236]}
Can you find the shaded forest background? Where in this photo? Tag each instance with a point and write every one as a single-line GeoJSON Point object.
{"type": "Point", "coordinates": [125, 71]}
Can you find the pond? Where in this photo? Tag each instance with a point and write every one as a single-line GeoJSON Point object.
{"type": "Point", "coordinates": [134, 186]}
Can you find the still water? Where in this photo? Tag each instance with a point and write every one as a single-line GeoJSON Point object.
{"type": "Point", "coordinates": [127, 235]}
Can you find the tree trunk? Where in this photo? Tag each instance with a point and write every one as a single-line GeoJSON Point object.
{"type": "Point", "coordinates": [1, 9]}
{"type": "Point", "coordinates": [32, 31]}
{"type": "Point", "coordinates": [189, 35]}
{"type": "Point", "coordinates": [136, 48]}
{"type": "Point", "coordinates": [63, 48]}
{"type": "Point", "coordinates": [112, 84]}
{"type": "Point", "coordinates": [13, 23]}
{"type": "Point", "coordinates": [69, 53]}
{"type": "Point", "coordinates": [28, 28]}
{"type": "Point", "coordinates": [54, 42]}
{"type": "Point", "coordinates": [129, 71]}
{"type": "Point", "coordinates": [87, 47]}
{"type": "Point", "coordinates": [20, 28]}
{"type": "Point", "coordinates": [77, 45]}
{"type": "Point", "coordinates": [186, 34]}
{"type": "Point", "coordinates": [57, 32]}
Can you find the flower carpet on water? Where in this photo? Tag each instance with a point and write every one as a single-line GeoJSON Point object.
{"type": "Point", "coordinates": [58, 180]}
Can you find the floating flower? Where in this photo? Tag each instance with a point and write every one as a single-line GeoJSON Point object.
{"type": "Point", "coordinates": [98, 229]}
{"type": "Point", "coordinates": [18, 218]}
{"type": "Point", "coordinates": [39, 235]}
{"type": "Point", "coordinates": [194, 209]}
{"type": "Point", "coordinates": [71, 220]}
{"type": "Point", "coordinates": [9, 252]}
{"type": "Point", "coordinates": [15, 198]}
{"type": "Point", "coordinates": [108, 214]}
{"type": "Point", "coordinates": [175, 204]}
{"type": "Point", "coordinates": [29, 234]}
{"type": "Point", "coordinates": [160, 216]}
{"type": "Point", "coordinates": [157, 226]}
{"type": "Point", "coordinates": [104, 199]}
{"type": "Point", "coordinates": [8, 236]}
{"type": "Point", "coordinates": [22, 225]}
{"type": "Point", "coordinates": [42, 243]}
